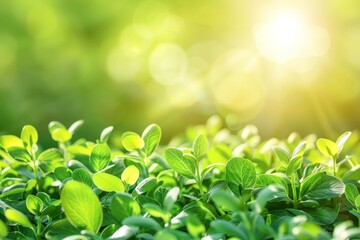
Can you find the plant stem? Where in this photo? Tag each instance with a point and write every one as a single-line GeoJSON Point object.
{"type": "Point", "coordinates": [38, 227]}
{"type": "Point", "coordinates": [334, 165]}
{"type": "Point", "coordinates": [293, 186]}
{"type": "Point", "coordinates": [199, 180]}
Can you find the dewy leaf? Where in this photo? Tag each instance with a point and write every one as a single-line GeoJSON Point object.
{"type": "Point", "coordinates": [241, 171]}
{"type": "Point", "coordinates": [179, 163]}
{"type": "Point", "coordinates": [342, 140]}
{"type": "Point", "coordinates": [29, 135]}
{"type": "Point", "coordinates": [294, 165]}
{"type": "Point", "coordinates": [105, 134]}
{"type": "Point", "coordinates": [320, 185]}
{"type": "Point", "coordinates": [18, 217]}
{"type": "Point", "coordinates": [108, 182]}
{"type": "Point", "coordinates": [351, 193]}
{"type": "Point", "coordinates": [34, 204]}
{"type": "Point", "coordinates": [200, 147]}
{"type": "Point", "coordinates": [130, 175]}
{"type": "Point", "coordinates": [151, 137]}
{"type": "Point", "coordinates": [11, 141]}
{"type": "Point", "coordinates": [81, 206]}
{"type": "Point", "coordinates": [299, 150]}
{"type": "Point", "coordinates": [61, 135]}
{"type": "Point", "coordinates": [123, 205]}
{"type": "Point", "coordinates": [283, 156]}
{"type": "Point", "coordinates": [132, 141]}
{"type": "Point", "coordinates": [100, 157]}
{"type": "Point", "coordinates": [327, 147]}
{"type": "Point", "coordinates": [170, 198]}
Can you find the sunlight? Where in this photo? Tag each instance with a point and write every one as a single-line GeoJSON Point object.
{"type": "Point", "coordinates": [281, 38]}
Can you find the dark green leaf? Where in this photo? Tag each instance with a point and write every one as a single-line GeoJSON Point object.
{"type": "Point", "coordinates": [146, 185]}
{"type": "Point", "coordinates": [142, 222]}
{"type": "Point", "coordinates": [62, 173]}
{"type": "Point", "coordinates": [226, 200]}
{"type": "Point", "coordinates": [178, 162]}
{"type": "Point", "coordinates": [228, 229]}
{"type": "Point", "coordinates": [123, 206]}
{"type": "Point", "coordinates": [151, 137]}
{"type": "Point", "coordinates": [60, 230]}
{"type": "Point", "coordinates": [264, 180]}
{"type": "Point", "coordinates": [320, 185]}
{"type": "Point", "coordinates": [241, 171]}
{"type": "Point", "coordinates": [171, 198]}
{"type": "Point", "coordinates": [100, 157]}
{"type": "Point", "coordinates": [82, 175]}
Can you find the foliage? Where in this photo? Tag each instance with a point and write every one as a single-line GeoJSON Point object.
{"type": "Point", "coordinates": [201, 186]}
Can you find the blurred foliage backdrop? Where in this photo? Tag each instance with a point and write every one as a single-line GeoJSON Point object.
{"type": "Point", "coordinates": [282, 65]}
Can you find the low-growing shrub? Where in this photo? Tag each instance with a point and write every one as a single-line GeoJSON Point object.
{"type": "Point", "coordinates": [208, 183]}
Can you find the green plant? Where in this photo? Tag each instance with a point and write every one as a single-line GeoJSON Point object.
{"type": "Point", "coordinates": [208, 183]}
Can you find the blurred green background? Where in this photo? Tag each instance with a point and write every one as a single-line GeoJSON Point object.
{"type": "Point", "coordinates": [281, 65]}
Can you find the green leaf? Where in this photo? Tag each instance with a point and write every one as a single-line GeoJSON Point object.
{"type": "Point", "coordinates": [264, 180]}
{"type": "Point", "coordinates": [62, 173]}
{"type": "Point", "coordinates": [60, 230]}
{"type": "Point", "coordinates": [320, 185]}
{"type": "Point", "coordinates": [283, 155]}
{"type": "Point", "coordinates": [146, 185]}
{"type": "Point", "coordinates": [200, 147]}
{"type": "Point", "coordinates": [3, 230]}
{"type": "Point", "coordinates": [11, 141]}
{"type": "Point", "coordinates": [351, 192]}
{"type": "Point", "coordinates": [75, 126]}
{"type": "Point", "coordinates": [170, 198]}
{"type": "Point", "coordinates": [179, 163]}
{"type": "Point", "coordinates": [327, 147]}
{"type": "Point", "coordinates": [82, 175]}
{"type": "Point", "coordinates": [228, 228]}
{"type": "Point", "coordinates": [154, 210]}
{"type": "Point", "coordinates": [61, 135]}
{"type": "Point", "coordinates": [34, 204]}
{"type": "Point", "coordinates": [267, 194]}
{"type": "Point", "coordinates": [105, 134]}
{"type": "Point", "coordinates": [18, 217]}
{"type": "Point", "coordinates": [342, 140]}
{"type": "Point", "coordinates": [132, 141]}
{"type": "Point", "coordinates": [194, 226]}
{"type": "Point", "coordinates": [294, 165]}
{"type": "Point", "coordinates": [299, 150]}
{"type": "Point", "coordinates": [55, 125]}
{"type": "Point", "coordinates": [29, 135]}
{"type": "Point", "coordinates": [241, 171]}
{"type": "Point", "coordinates": [124, 232]}
{"type": "Point", "coordinates": [130, 175]}
{"type": "Point", "coordinates": [100, 157]}
{"type": "Point", "coordinates": [108, 182]}
{"type": "Point", "coordinates": [123, 205]}
{"type": "Point", "coordinates": [226, 201]}
{"type": "Point", "coordinates": [151, 137]}
{"type": "Point", "coordinates": [352, 174]}
{"type": "Point", "coordinates": [81, 206]}
{"type": "Point", "coordinates": [357, 202]}
{"type": "Point", "coordinates": [142, 222]}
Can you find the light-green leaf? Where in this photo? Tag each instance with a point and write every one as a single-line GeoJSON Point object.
{"type": "Point", "coordinates": [294, 165]}
{"type": "Point", "coordinates": [241, 171]}
{"type": "Point", "coordinates": [123, 205]}
{"type": "Point", "coordinates": [264, 180]}
{"type": "Point", "coordinates": [3, 230]}
{"type": "Point", "coordinates": [108, 182]}
{"type": "Point", "coordinates": [29, 135]}
{"type": "Point", "coordinates": [179, 163]}
{"type": "Point", "coordinates": [81, 206]}
{"type": "Point", "coordinates": [132, 141]}
{"type": "Point", "coordinates": [18, 217]}
{"type": "Point", "coordinates": [320, 185]}
{"type": "Point", "coordinates": [11, 141]}
{"type": "Point", "coordinates": [151, 137]}
{"type": "Point", "coordinates": [351, 193]}
{"type": "Point", "coordinates": [130, 175]}
{"type": "Point", "coordinates": [170, 198]}
{"type": "Point", "coordinates": [299, 150]}
{"type": "Point", "coordinates": [342, 140]}
{"type": "Point", "coordinates": [100, 157]}
{"type": "Point", "coordinates": [105, 134]}
{"type": "Point", "coordinates": [75, 126]}
{"type": "Point", "coordinates": [327, 147]}
{"type": "Point", "coordinates": [61, 135]}
{"type": "Point", "coordinates": [200, 147]}
{"type": "Point", "coordinates": [34, 204]}
{"type": "Point", "coordinates": [283, 155]}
